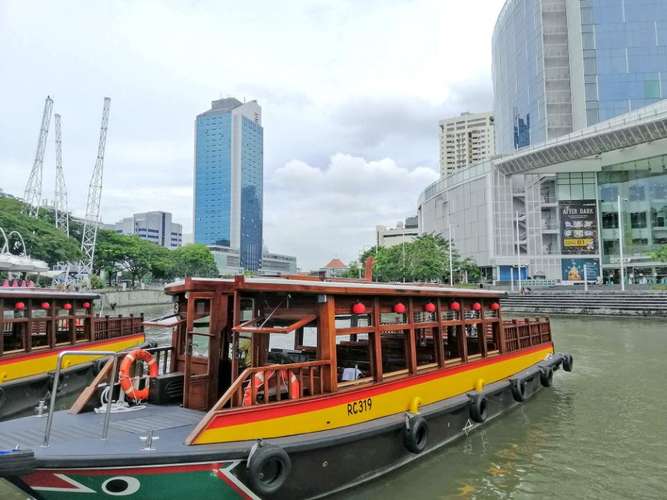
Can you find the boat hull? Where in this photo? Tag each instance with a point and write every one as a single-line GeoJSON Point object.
{"type": "Point", "coordinates": [338, 461]}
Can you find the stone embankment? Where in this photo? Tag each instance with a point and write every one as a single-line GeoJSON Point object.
{"type": "Point", "coordinates": [114, 299]}
{"type": "Point", "coordinates": [643, 303]}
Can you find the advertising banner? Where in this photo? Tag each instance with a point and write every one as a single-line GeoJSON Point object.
{"type": "Point", "coordinates": [573, 269]}
{"type": "Point", "coordinates": [578, 227]}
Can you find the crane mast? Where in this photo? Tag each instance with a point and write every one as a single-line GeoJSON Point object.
{"type": "Point", "coordinates": [60, 203]}
{"type": "Point", "coordinates": [33, 189]}
{"type": "Point", "coordinates": [92, 219]}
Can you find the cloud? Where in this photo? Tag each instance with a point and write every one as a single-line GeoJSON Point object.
{"type": "Point", "coordinates": [320, 212]}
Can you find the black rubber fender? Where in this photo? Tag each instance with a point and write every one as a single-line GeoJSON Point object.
{"type": "Point", "coordinates": [519, 387]}
{"type": "Point", "coordinates": [478, 407]}
{"type": "Point", "coordinates": [568, 362]}
{"type": "Point", "coordinates": [268, 468]}
{"type": "Point", "coordinates": [17, 462]}
{"type": "Point", "coordinates": [415, 434]}
{"type": "Point", "coordinates": [546, 376]}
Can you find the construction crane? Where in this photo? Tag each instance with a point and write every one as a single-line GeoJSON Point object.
{"type": "Point", "coordinates": [33, 189]}
{"type": "Point", "coordinates": [60, 208]}
{"type": "Point", "coordinates": [92, 220]}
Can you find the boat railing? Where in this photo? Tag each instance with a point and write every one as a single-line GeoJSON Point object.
{"type": "Point", "coordinates": [265, 384]}
{"type": "Point", "coordinates": [523, 333]}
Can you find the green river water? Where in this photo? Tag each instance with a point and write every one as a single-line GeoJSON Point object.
{"type": "Point", "coordinates": [600, 432]}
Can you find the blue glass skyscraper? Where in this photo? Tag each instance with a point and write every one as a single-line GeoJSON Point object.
{"type": "Point", "coordinates": [228, 178]}
{"type": "Point", "coordinates": [563, 65]}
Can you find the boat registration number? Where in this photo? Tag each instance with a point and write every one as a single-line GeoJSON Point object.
{"type": "Point", "coordinates": [360, 406]}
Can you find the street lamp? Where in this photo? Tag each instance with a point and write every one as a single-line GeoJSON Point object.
{"type": "Point", "coordinates": [620, 243]}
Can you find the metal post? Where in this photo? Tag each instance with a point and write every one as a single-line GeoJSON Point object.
{"type": "Point", "coordinates": [585, 278]}
{"type": "Point", "coordinates": [451, 264]}
{"type": "Point", "coordinates": [518, 250]}
{"type": "Point", "coordinates": [620, 242]}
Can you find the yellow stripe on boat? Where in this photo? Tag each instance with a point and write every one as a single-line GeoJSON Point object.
{"type": "Point", "coordinates": [357, 406]}
{"type": "Point", "coordinates": [43, 361]}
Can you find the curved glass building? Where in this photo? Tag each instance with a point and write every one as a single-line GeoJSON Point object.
{"type": "Point", "coordinates": [563, 65]}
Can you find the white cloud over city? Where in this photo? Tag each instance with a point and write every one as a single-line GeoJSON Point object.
{"type": "Point", "coordinates": [351, 94]}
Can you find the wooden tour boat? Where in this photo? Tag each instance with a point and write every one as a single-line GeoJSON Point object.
{"type": "Point", "coordinates": [287, 388]}
{"type": "Point", "coordinates": [38, 323]}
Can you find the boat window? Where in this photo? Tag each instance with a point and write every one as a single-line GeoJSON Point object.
{"type": "Point", "coordinates": [427, 351]}
{"type": "Point", "coordinates": [451, 339]}
{"type": "Point", "coordinates": [297, 346]}
{"type": "Point", "coordinates": [39, 329]}
{"type": "Point", "coordinates": [423, 317]}
{"type": "Point", "coordinates": [492, 337]}
{"type": "Point", "coordinates": [394, 351]}
{"type": "Point", "coordinates": [473, 339]}
{"type": "Point", "coordinates": [352, 320]}
{"type": "Point", "coordinates": [63, 334]}
{"type": "Point", "coordinates": [12, 333]}
{"type": "Point", "coordinates": [353, 355]}
{"type": "Point", "coordinates": [391, 318]}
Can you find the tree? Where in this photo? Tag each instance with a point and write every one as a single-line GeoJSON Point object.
{"type": "Point", "coordinates": [194, 260]}
{"type": "Point", "coordinates": [660, 254]}
{"type": "Point", "coordinates": [42, 240]}
{"type": "Point", "coordinates": [129, 254]}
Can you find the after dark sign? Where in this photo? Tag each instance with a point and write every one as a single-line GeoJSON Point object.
{"type": "Point", "coordinates": [578, 227]}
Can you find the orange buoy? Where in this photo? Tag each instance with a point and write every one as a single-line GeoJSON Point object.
{"type": "Point", "coordinates": [124, 373]}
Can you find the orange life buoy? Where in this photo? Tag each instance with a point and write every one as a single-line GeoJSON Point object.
{"type": "Point", "coordinates": [258, 381]}
{"type": "Point", "coordinates": [124, 373]}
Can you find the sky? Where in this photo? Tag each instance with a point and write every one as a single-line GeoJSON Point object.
{"type": "Point", "coordinates": [351, 94]}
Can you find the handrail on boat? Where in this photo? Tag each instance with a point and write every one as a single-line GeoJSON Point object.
{"type": "Point", "coordinates": [54, 390]}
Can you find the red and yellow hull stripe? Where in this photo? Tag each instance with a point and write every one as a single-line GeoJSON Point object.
{"type": "Point", "coordinates": [357, 406]}
{"type": "Point", "coordinates": [37, 362]}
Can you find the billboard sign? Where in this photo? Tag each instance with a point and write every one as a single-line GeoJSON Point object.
{"type": "Point", "coordinates": [573, 269]}
{"type": "Point", "coordinates": [578, 227]}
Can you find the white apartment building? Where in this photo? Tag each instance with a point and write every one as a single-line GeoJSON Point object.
{"type": "Point", "coordinates": [465, 140]}
{"type": "Point", "coordinates": [156, 227]}
{"type": "Point", "coordinates": [402, 233]}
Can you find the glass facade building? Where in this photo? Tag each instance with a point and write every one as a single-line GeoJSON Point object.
{"type": "Point", "coordinates": [228, 179]}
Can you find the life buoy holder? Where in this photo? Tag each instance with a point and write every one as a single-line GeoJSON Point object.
{"type": "Point", "coordinates": [124, 373]}
{"type": "Point", "coordinates": [294, 389]}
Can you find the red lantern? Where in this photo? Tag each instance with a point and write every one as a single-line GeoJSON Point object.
{"type": "Point", "coordinates": [67, 307]}
{"type": "Point", "coordinates": [19, 306]}
{"type": "Point", "coordinates": [86, 305]}
{"type": "Point", "coordinates": [477, 306]}
{"type": "Point", "coordinates": [358, 308]}
{"type": "Point", "coordinates": [399, 308]}
{"type": "Point", "coordinates": [45, 305]}
{"type": "Point", "coordinates": [455, 306]}
{"type": "Point", "coordinates": [429, 307]}
{"type": "Point", "coordinates": [495, 306]}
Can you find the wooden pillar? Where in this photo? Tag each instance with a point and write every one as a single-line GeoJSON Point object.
{"type": "Point", "coordinates": [27, 332]}
{"type": "Point", "coordinates": [51, 326]}
{"type": "Point", "coordinates": [411, 344]}
{"type": "Point", "coordinates": [438, 337]}
{"type": "Point", "coordinates": [482, 334]}
{"type": "Point", "coordinates": [2, 326]}
{"type": "Point", "coordinates": [377, 339]}
{"type": "Point", "coordinates": [236, 320]}
{"type": "Point", "coordinates": [218, 320]}
{"type": "Point", "coordinates": [327, 321]}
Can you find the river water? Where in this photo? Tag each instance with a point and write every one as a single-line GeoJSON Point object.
{"type": "Point", "coordinates": [599, 432]}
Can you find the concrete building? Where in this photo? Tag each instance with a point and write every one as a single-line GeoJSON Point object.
{"type": "Point", "coordinates": [465, 140]}
{"type": "Point", "coordinates": [563, 65]}
{"type": "Point", "coordinates": [156, 227]}
{"type": "Point", "coordinates": [228, 261]}
{"type": "Point", "coordinates": [402, 233]}
{"type": "Point", "coordinates": [334, 268]}
{"type": "Point", "coordinates": [552, 210]}
{"type": "Point", "coordinates": [228, 179]}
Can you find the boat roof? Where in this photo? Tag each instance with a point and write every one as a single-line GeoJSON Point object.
{"type": "Point", "coordinates": [328, 286]}
{"type": "Point", "coordinates": [45, 293]}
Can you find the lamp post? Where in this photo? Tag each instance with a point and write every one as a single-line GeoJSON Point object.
{"type": "Point", "coordinates": [518, 251]}
{"type": "Point", "coordinates": [620, 243]}
{"type": "Point", "coordinates": [451, 264]}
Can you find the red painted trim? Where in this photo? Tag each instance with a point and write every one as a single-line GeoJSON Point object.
{"type": "Point", "coordinates": [76, 347]}
{"type": "Point", "coordinates": [223, 477]}
{"type": "Point", "coordinates": [134, 471]}
{"type": "Point", "coordinates": [254, 414]}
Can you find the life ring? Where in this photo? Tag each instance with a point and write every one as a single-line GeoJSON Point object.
{"type": "Point", "coordinates": [124, 373]}
{"type": "Point", "coordinates": [478, 407]}
{"type": "Point", "coordinates": [415, 434]}
{"type": "Point", "coordinates": [519, 389]}
{"type": "Point", "coordinates": [546, 376]}
{"type": "Point", "coordinates": [258, 381]}
{"type": "Point", "coordinates": [268, 468]}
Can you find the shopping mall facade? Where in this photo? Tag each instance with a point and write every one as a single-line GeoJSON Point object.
{"type": "Point", "coordinates": [581, 137]}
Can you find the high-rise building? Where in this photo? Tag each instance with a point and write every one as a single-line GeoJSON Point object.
{"type": "Point", "coordinates": [156, 227]}
{"type": "Point", "coordinates": [228, 185]}
{"type": "Point", "coordinates": [562, 65]}
{"type": "Point", "coordinates": [465, 140]}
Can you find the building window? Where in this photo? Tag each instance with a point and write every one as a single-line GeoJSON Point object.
{"type": "Point", "coordinates": [638, 220]}
{"type": "Point", "coordinates": [610, 220]}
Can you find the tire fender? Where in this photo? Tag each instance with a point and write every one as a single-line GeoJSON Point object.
{"type": "Point", "coordinates": [568, 362]}
{"type": "Point", "coordinates": [478, 407]}
{"type": "Point", "coordinates": [415, 434]}
{"type": "Point", "coordinates": [268, 468]}
{"type": "Point", "coordinates": [519, 386]}
{"type": "Point", "coordinates": [546, 376]}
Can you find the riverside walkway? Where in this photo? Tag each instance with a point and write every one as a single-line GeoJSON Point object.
{"type": "Point", "coordinates": [645, 303]}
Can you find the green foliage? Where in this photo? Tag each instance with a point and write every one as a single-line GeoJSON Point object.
{"type": "Point", "coordinates": [194, 260]}
{"type": "Point", "coordinates": [425, 259]}
{"type": "Point", "coordinates": [661, 254]}
{"type": "Point", "coordinates": [42, 240]}
{"type": "Point", "coordinates": [96, 282]}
